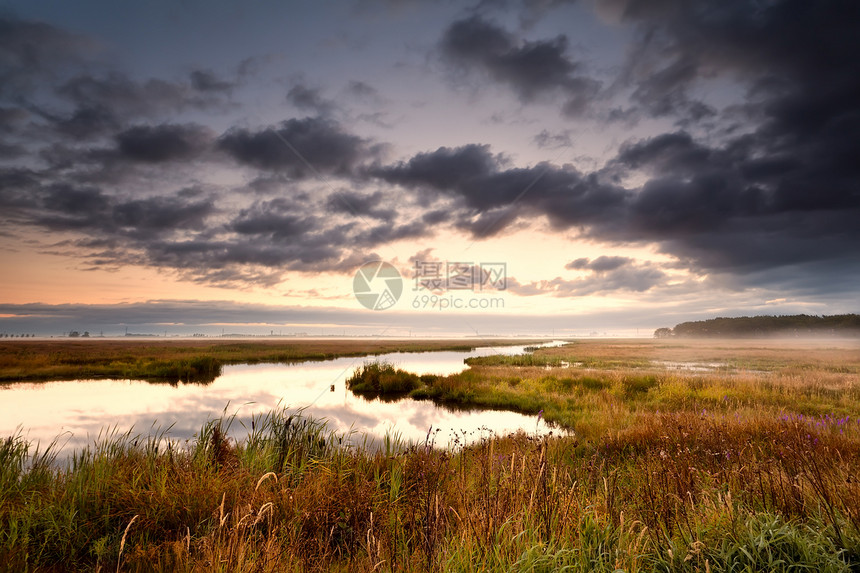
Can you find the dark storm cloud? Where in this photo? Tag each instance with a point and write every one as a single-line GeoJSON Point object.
{"type": "Point", "coordinates": [127, 98]}
{"type": "Point", "coordinates": [446, 169]}
{"type": "Point", "coordinates": [547, 140]}
{"type": "Point", "coordinates": [665, 92]}
{"type": "Point", "coordinates": [30, 51]}
{"type": "Point", "coordinates": [785, 191]}
{"type": "Point", "coordinates": [277, 219]}
{"type": "Point", "coordinates": [148, 218]}
{"type": "Point", "coordinates": [310, 99]}
{"type": "Point", "coordinates": [63, 207]}
{"type": "Point", "coordinates": [17, 188]}
{"type": "Point", "coordinates": [228, 260]}
{"type": "Point", "coordinates": [532, 69]}
{"type": "Point", "coordinates": [364, 92]}
{"type": "Point", "coordinates": [209, 81]}
{"type": "Point", "coordinates": [370, 237]}
{"type": "Point", "coordinates": [773, 184]}
{"type": "Point", "coordinates": [474, 176]}
{"type": "Point", "coordinates": [600, 264]}
{"type": "Point", "coordinates": [12, 119]}
{"type": "Point", "coordinates": [608, 275]}
{"type": "Point", "coordinates": [669, 152]}
{"type": "Point", "coordinates": [93, 106]}
{"type": "Point", "coordinates": [85, 122]}
{"type": "Point", "coordinates": [166, 142]}
{"type": "Point", "coordinates": [300, 147]}
{"type": "Point", "coordinates": [360, 205]}
{"type": "Point", "coordinates": [799, 55]}
{"type": "Point", "coordinates": [11, 151]}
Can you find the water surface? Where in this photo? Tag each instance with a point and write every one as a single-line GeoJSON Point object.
{"type": "Point", "coordinates": [77, 412]}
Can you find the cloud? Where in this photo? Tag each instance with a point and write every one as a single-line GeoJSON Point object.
{"type": "Point", "coordinates": [749, 170]}
{"type": "Point", "coordinates": [609, 275]}
{"type": "Point", "coordinates": [476, 178]}
{"type": "Point", "coordinates": [364, 92]}
{"type": "Point", "coordinates": [12, 119]}
{"type": "Point", "coordinates": [446, 169]}
{"type": "Point", "coordinates": [532, 69]}
{"type": "Point", "coordinates": [165, 142]}
{"type": "Point", "coordinates": [152, 217]}
{"type": "Point", "coordinates": [127, 98]}
{"type": "Point", "coordinates": [600, 264]}
{"type": "Point", "coordinates": [795, 57]}
{"type": "Point", "coordinates": [85, 122]}
{"type": "Point", "coordinates": [547, 140]}
{"type": "Point", "coordinates": [31, 51]}
{"type": "Point", "coordinates": [62, 207]}
{"type": "Point", "coordinates": [91, 105]}
{"type": "Point", "coordinates": [668, 152]}
{"type": "Point", "coordinates": [208, 81]}
{"type": "Point", "coordinates": [278, 220]}
{"type": "Point", "coordinates": [360, 205]}
{"type": "Point", "coordinates": [779, 189]}
{"type": "Point", "coordinates": [310, 99]}
{"type": "Point", "coordinates": [300, 147]}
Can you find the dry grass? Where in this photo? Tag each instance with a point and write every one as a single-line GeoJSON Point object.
{"type": "Point", "coordinates": [167, 360]}
{"type": "Point", "coordinates": [731, 470]}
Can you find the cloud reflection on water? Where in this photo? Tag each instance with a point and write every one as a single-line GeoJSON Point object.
{"type": "Point", "coordinates": [79, 412]}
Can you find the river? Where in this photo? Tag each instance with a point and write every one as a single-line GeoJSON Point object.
{"type": "Point", "coordinates": [75, 413]}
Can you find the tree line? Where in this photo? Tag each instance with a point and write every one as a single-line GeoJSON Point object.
{"type": "Point", "coordinates": [798, 325]}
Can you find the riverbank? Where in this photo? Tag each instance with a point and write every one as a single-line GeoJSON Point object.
{"type": "Point", "coordinates": [187, 360]}
{"type": "Point", "coordinates": [678, 491]}
{"type": "Point", "coordinates": [717, 456]}
{"type": "Point", "coordinates": [598, 386]}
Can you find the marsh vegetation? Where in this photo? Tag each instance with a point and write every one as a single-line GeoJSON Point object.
{"type": "Point", "coordinates": [748, 467]}
{"type": "Point", "coordinates": [175, 361]}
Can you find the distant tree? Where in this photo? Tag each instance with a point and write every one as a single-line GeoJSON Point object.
{"type": "Point", "coordinates": [663, 333]}
{"type": "Point", "coordinates": [756, 326]}
{"type": "Point", "coordinates": [74, 334]}
{"type": "Point", "coordinates": [86, 334]}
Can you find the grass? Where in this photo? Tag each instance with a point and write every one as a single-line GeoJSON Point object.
{"type": "Point", "coordinates": [181, 360]}
{"type": "Point", "coordinates": [677, 492]}
{"type": "Point", "coordinates": [594, 387]}
{"type": "Point", "coordinates": [376, 378]}
{"type": "Point", "coordinates": [728, 470]}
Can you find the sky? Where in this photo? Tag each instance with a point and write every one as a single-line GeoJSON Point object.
{"type": "Point", "coordinates": [524, 167]}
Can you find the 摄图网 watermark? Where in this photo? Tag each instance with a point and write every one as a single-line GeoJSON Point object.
{"type": "Point", "coordinates": [378, 285]}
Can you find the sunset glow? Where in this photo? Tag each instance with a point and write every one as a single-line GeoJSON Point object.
{"type": "Point", "coordinates": [208, 167]}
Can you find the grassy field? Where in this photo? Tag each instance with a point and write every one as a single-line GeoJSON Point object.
{"type": "Point", "coordinates": [185, 360]}
{"type": "Point", "coordinates": [687, 456]}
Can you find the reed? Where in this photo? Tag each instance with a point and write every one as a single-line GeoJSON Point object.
{"type": "Point", "coordinates": [176, 361]}
{"type": "Point", "coordinates": [679, 491]}
{"type": "Point", "coordinates": [667, 471]}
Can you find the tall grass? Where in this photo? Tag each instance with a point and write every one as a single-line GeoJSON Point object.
{"type": "Point", "coordinates": [666, 471]}
{"type": "Point", "coordinates": [675, 492]}
{"type": "Point", "coordinates": [381, 378]}
{"type": "Point", "coordinates": [177, 361]}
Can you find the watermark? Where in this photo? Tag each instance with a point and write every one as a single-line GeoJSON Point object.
{"type": "Point", "coordinates": [377, 285]}
{"type": "Point", "coordinates": [436, 302]}
{"type": "Point", "coordinates": [443, 276]}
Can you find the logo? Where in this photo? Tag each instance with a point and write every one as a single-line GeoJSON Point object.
{"type": "Point", "coordinates": [377, 285]}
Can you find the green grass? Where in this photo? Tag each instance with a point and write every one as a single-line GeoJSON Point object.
{"type": "Point", "coordinates": [665, 471]}
{"type": "Point", "coordinates": [381, 379]}
{"type": "Point", "coordinates": [675, 492]}
{"type": "Point", "coordinates": [175, 361]}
